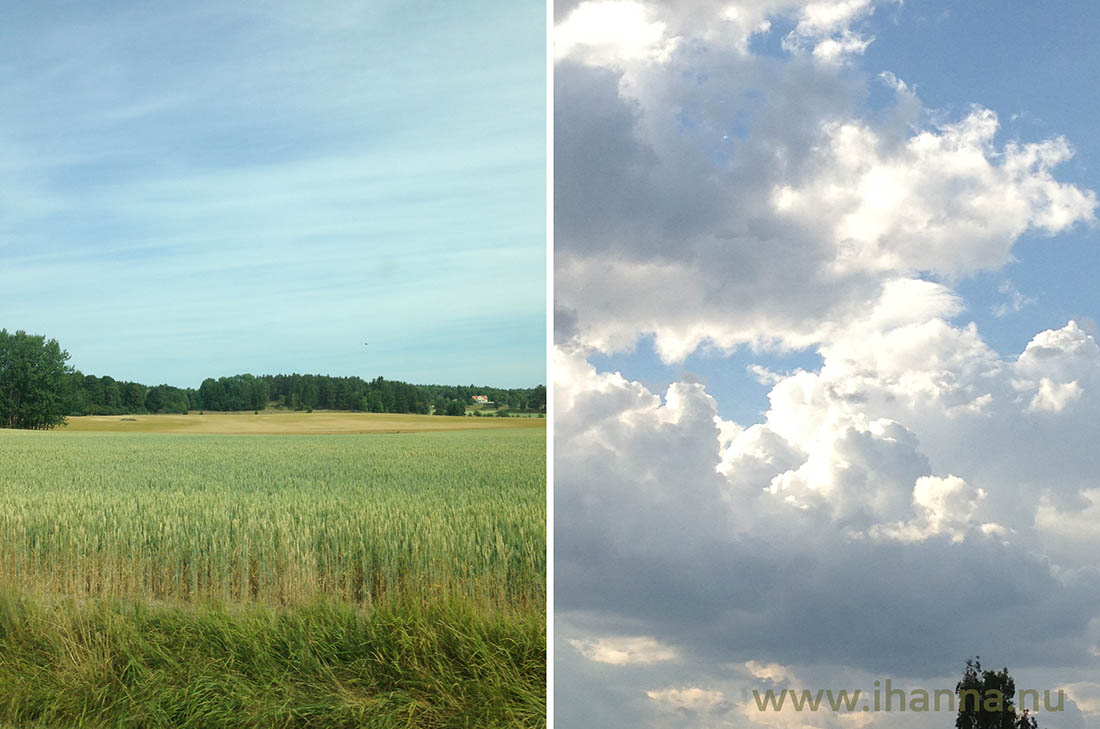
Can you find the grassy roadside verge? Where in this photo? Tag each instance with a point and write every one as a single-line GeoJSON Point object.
{"type": "Point", "coordinates": [102, 663]}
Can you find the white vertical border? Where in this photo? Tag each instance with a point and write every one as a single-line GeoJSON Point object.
{"type": "Point", "coordinates": [550, 363]}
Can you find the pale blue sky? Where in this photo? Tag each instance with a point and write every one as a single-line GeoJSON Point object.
{"type": "Point", "coordinates": [200, 189]}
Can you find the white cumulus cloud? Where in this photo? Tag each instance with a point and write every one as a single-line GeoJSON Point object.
{"type": "Point", "coordinates": [719, 199]}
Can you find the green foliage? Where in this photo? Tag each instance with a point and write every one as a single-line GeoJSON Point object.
{"type": "Point", "coordinates": [33, 381]}
{"type": "Point", "coordinates": [91, 395]}
{"type": "Point", "coordinates": [240, 392]}
{"type": "Point", "coordinates": [455, 407]}
{"type": "Point", "coordinates": [986, 700]}
{"type": "Point", "coordinates": [167, 399]}
{"type": "Point", "coordinates": [531, 399]}
{"type": "Point", "coordinates": [37, 390]}
{"type": "Point", "coordinates": [374, 402]}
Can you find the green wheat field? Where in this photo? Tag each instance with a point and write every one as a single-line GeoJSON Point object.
{"type": "Point", "coordinates": [170, 580]}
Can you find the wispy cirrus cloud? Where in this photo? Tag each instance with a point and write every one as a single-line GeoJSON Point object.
{"type": "Point", "coordinates": [294, 177]}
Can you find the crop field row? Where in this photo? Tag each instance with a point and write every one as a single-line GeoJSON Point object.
{"type": "Point", "coordinates": [280, 520]}
{"type": "Point", "coordinates": [152, 579]}
{"type": "Point", "coordinates": [280, 422]}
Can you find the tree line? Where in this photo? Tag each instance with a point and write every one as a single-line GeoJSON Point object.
{"type": "Point", "coordinates": [38, 390]}
{"type": "Point", "coordinates": [92, 395]}
{"type": "Point", "coordinates": [531, 399]}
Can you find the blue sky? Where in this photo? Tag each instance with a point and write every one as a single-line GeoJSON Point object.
{"type": "Point", "coordinates": [1032, 63]}
{"type": "Point", "coordinates": [202, 189]}
{"type": "Point", "coordinates": [826, 368]}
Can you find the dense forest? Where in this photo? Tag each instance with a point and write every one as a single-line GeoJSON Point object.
{"type": "Point", "coordinates": [92, 395]}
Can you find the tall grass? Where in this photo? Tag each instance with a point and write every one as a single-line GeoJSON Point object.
{"type": "Point", "coordinates": [128, 665]}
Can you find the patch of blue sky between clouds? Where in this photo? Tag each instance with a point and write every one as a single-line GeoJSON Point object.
{"type": "Point", "coordinates": [196, 190]}
{"type": "Point", "coordinates": [733, 379]}
{"type": "Point", "coordinates": [1032, 64]}
{"type": "Point", "coordinates": [1027, 63]}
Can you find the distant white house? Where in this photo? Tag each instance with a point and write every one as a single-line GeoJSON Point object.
{"type": "Point", "coordinates": [483, 399]}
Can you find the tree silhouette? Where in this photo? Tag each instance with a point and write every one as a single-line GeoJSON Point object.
{"type": "Point", "coordinates": [986, 700]}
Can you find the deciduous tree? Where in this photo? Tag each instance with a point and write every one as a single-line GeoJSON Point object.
{"type": "Point", "coordinates": [33, 383]}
